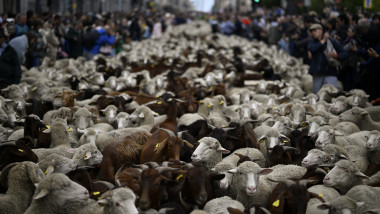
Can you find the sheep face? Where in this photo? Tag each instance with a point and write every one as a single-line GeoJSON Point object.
{"type": "Point", "coordinates": [339, 105]}
{"type": "Point", "coordinates": [373, 141]}
{"type": "Point", "coordinates": [359, 100]}
{"type": "Point", "coordinates": [61, 189]}
{"type": "Point", "coordinates": [341, 205]}
{"type": "Point", "coordinates": [123, 120]}
{"type": "Point", "coordinates": [245, 112]}
{"type": "Point", "coordinates": [121, 200]}
{"type": "Point", "coordinates": [342, 175]}
{"type": "Point", "coordinates": [90, 136]}
{"type": "Point", "coordinates": [283, 125]}
{"type": "Point", "coordinates": [273, 140]}
{"type": "Point", "coordinates": [93, 157]}
{"type": "Point", "coordinates": [325, 137]}
{"type": "Point", "coordinates": [315, 123]}
{"type": "Point", "coordinates": [111, 82]}
{"type": "Point", "coordinates": [315, 157]}
{"type": "Point", "coordinates": [248, 174]}
{"type": "Point", "coordinates": [110, 113]}
{"type": "Point", "coordinates": [208, 148]}
{"type": "Point", "coordinates": [82, 119]}
{"type": "Point", "coordinates": [354, 115]}
{"type": "Point", "coordinates": [65, 165]}
{"type": "Point", "coordinates": [298, 113]}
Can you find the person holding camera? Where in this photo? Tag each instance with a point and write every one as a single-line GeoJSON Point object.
{"type": "Point", "coordinates": [325, 54]}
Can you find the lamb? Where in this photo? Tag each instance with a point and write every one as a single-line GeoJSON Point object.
{"type": "Point", "coordinates": [118, 201]}
{"type": "Point", "coordinates": [19, 178]}
{"type": "Point", "coordinates": [58, 194]}
{"type": "Point", "coordinates": [56, 163]}
{"type": "Point", "coordinates": [361, 118]}
{"type": "Point", "coordinates": [341, 204]}
{"type": "Point", "coordinates": [209, 152]}
{"type": "Point", "coordinates": [327, 193]}
{"type": "Point", "coordinates": [344, 176]}
{"type": "Point", "coordinates": [63, 112]}
{"type": "Point", "coordinates": [220, 205]}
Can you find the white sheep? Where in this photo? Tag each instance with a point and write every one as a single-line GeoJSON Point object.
{"type": "Point", "coordinates": [327, 193]}
{"type": "Point", "coordinates": [57, 163]}
{"type": "Point", "coordinates": [341, 204]}
{"type": "Point", "coordinates": [361, 118]}
{"type": "Point", "coordinates": [220, 205]}
{"type": "Point", "coordinates": [20, 179]}
{"type": "Point", "coordinates": [344, 176]}
{"type": "Point", "coordinates": [368, 196]}
{"type": "Point", "coordinates": [89, 136]}
{"type": "Point", "coordinates": [209, 152]}
{"type": "Point", "coordinates": [118, 201]}
{"type": "Point", "coordinates": [316, 157]}
{"type": "Point", "coordinates": [373, 147]}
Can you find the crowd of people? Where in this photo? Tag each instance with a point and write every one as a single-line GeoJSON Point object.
{"type": "Point", "coordinates": [337, 46]}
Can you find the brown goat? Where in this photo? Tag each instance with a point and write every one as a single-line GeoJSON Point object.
{"type": "Point", "coordinates": [68, 97]}
{"type": "Point", "coordinates": [119, 153]}
{"type": "Point", "coordinates": [162, 146]}
{"type": "Point", "coordinates": [129, 177]}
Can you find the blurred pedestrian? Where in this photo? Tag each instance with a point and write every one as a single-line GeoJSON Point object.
{"type": "Point", "coordinates": [36, 52]}
{"type": "Point", "coordinates": [75, 40]}
{"type": "Point", "coordinates": [21, 44]}
{"type": "Point", "coordinates": [20, 26]}
{"type": "Point", "coordinates": [10, 69]}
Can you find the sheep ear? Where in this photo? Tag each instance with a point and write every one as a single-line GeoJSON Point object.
{"type": "Point", "coordinates": [284, 139]}
{"type": "Point", "coordinates": [265, 171]}
{"type": "Point", "coordinates": [72, 151]}
{"type": "Point", "coordinates": [41, 194]}
{"type": "Point", "coordinates": [49, 170]}
{"type": "Point", "coordinates": [232, 171]}
{"type": "Point", "coordinates": [364, 113]}
{"type": "Point", "coordinates": [343, 156]}
{"type": "Point", "coordinates": [46, 131]}
{"type": "Point", "coordinates": [141, 115]}
{"type": "Point", "coordinates": [87, 156]}
{"type": "Point", "coordinates": [217, 177]}
{"type": "Point", "coordinates": [223, 150]}
{"type": "Point", "coordinates": [324, 206]}
{"type": "Point", "coordinates": [103, 202]}
{"type": "Point", "coordinates": [361, 175]}
{"type": "Point", "coordinates": [338, 133]}
{"type": "Point", "coordinates": [359, 204]}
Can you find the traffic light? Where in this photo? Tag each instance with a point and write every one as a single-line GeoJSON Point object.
{"type": "Point", "coordinates": [257, 1]}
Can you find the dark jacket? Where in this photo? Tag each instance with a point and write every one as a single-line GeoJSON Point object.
{"type": "Point", "coordinates": [10, 69]}
{"type": "Point", "coordinates": [318, 64]}
{"type": "Point", "coordinates": [75, 46]}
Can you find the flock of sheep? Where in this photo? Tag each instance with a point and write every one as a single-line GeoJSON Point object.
{"type": "Point", "coordinates": [192, 122]}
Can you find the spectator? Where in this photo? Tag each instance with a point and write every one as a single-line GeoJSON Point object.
{"type": "Point", "coordinates": [52, 42]}
{"type": "Point", "coordinates": [342, 23]}
{"type": "Point", "coordinates": [36, 52]}
{"type": "Point", "coordinates": [20, 45]}
{"type": "Point", "coordinates": [20, 26]}
{"type": "Point", "coordinates": [10, 69]}
{"type": "Point", "coordinates": [157, 29]}
{"type": "Point", "coordinates": [349, 65]}
{"type": "Point", "coordinates": [135, 29]}
{"type": "Point", "coordinates": [105, 38]}
{"type": "Point", "coordinates": [227, 27]}
{"type": "Point", "coordinates": [75, 40]}
{"type": "Point", "coordinates": [319, 67]}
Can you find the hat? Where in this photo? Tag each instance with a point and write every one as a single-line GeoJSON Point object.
{"type": "Point", "coordinates": [315, 26]}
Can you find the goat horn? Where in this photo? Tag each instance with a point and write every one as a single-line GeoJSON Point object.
{"type": "Point", "coordinates": [117, 174]}
{"type": "Point", "coordinates": [161, 169]}
{"type": "Point", "coordinates": [284, 181]}
{"type": "Point", "coordinates": [11, 143]}
{"type": "Point", "coordinates": [327, 165]}
{"type": "Point", "coordinates": [306, 181]}
{"type": "Point", "coordinates": [320, 170]}
{"type": "Point", "coordinates": [108, 184]}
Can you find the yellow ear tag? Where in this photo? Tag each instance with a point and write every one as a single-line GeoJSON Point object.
{"type": "Point", "coordinates": [276, 203]}
{"type": "Point", "coordinates": [104, 113]}
{"type": "Point", "coordinates": [106, 84]}
{"type": "Point", "coordinates": [221, 103]}
{"type": "Point", "coordinates": [303, 124]}
{"type": "Point", "coordinates": [85, 156]}
{"type": "Point", "coordinates": [47, 126]}
{"type": "Point", "coordinates": [262, 141]}
{"type": "Point", "coordinates": [152, 66]}
{"type": "Point", "coordinates": [159, 102]}
{"type": "Point", "coordinates": [70, 130]}
{"type": "Point", "coordinates": [179, 177]}
{"type": "Point", "coordinates": [320, 195]}
{"type": "Point", "coordinates": [21, 150]}
{"type": "Point", "coordinates": [211, 87]}
{"type": "Point", "coordinates": [274, 107]}
{"type": "Point", "coordinates": [199, 141]}
{"type": "Point", "coordinates": [106, 69]}
{"type": "Point", "coordinates": [96, 193]}
{"type": "Point", "coordinates": [208, 106]}
{"type": "Point", "coordinates": [158, 145]}
{"type": "Point", "coordinates": [285, 141]}
{"type": "Point", "coordinates": [201, 102]}
{"type": "Point", "coordinates": [262, 72]}
{"type": "Point", "coordinates": [46, 172]}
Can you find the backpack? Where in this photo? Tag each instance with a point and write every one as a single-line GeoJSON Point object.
{"type": "Point", "coordinates": [90, 38]}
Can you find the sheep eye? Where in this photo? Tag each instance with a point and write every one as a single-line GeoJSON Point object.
{"type": "Point", "coordinates": [210, 147]}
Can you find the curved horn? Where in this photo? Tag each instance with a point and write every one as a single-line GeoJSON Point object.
{"type": "Point", "coordinates": [117, 175]}
{"type": "Point", "coordinates": [319, 170]}
{"type": "Point", "coordinates": [107, 184]}
{"type": "Point", "coordinates": [161, 169]}
{"type": "Point", "coordinates": [11, 143]}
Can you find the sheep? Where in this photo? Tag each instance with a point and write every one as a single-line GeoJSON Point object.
{"type": "Point", "coordinates": [122, 119]}
{"type": "Point", "coordinates": [56, 163]}
{"type": "Point", "coordinates": [59, 134]}
{"type": "Point", "coordinates": [327, 193]}
{"type": "Point", "coordinates": [143, 118]}
{"type": "Point", "coordinates": [83, 119]}
{"type": "Point", "coordinates": [58, 194]}
{"type": "Point", "coordinates": [373, 147]}
{"type": "Point", "coordinates": [314, 123]}
{"type": "Point", "coordinates": [341, 204]}
{"type": "Point", "coordinates": [368, 196]}
{"type": "Point", "coordinates": [63, 112]}
{"type": "Point", "coordinates": [89, 136]}
{"type": "Point", "coordinates": [110, 114]}
{"type": "Point", "coordinates": [220, 205]}
{"type": "Point", "coordinates": [336, 152]}
{"type": "Point", "coordinates": [327, 135]}
{"type": "Point", "coordinates": [346, 128]}
{"type": "Point", "coordinates": [250, 189]}
{"type": "Point", "coordinates": [116, 136]}
{"type": "Point", "coordinates": [339, 105]}
{"type": "Point", "coordinates": [284, 125]}
{"type": "Point", "coordinates": [344, 176]}
{"type": "Point", "coordinates": [20, 179]}
{"type": "Point", "coordinates": [361, 118]}
{"type": "Point", "coordinates": [358, 99]}
{"type": "Point", "coordinates": [315, 157]}
{"type": "Point", "coordinates": [118, 201]}
{"type": "Point", "coordinates": [87, 155]}
{"type": "Point", "coordinates": [231, 162]}
{"type": "Point", "coordinates": [209, 152]}
{"type": "Point", "coordinates": [271, 138]}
